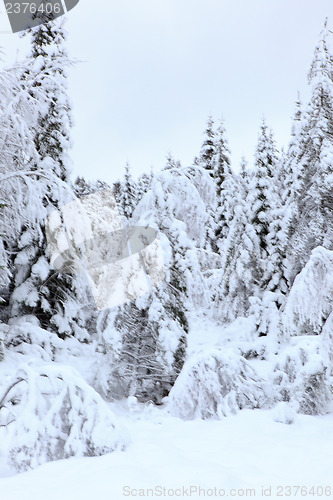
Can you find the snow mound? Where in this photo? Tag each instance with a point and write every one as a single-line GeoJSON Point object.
{"type": "Point", "coordinates": [216, 383]}
{"type": "Point", "coordinates": [50, 413]}
{"type": "Point", "coordinates": [310, 300]}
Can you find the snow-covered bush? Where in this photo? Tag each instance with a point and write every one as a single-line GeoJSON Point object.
{"type": "Point", "coordinates": [266, 314]}
{"type": "Point", "coordinates": [284, 413]}
{"type": "Point", "coordinates": [310, 300]}
{"type": "Point", "coordinates": [24, 335]}
{"type": "Point", "coordinates": [301, 376]}
{"type": "Point", "coordinates": [50, 413]}
{"type": "Point", "coordinates": [217, 383]}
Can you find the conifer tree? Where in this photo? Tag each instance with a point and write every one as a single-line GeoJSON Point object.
{"type": "Point", "coordinates": [221, 159]}
{"type": "Point", "coordinates": [290, 163]}
{"type": "Point", "coordinates": [224, 197]}
{"type": "Point", "coordinates": [22, 179]}
{"type": "Point", "coordinates": [59, 300]}
{"type": "Point", "coordinates": [144, 184]}
{"type": "Point", "coordinates": [208, 147]}
{"type": "Point", "coordinates": [116, 187]}
{"type": "Point", "coordinates": [244, 172]}
{"type": "Point", "coordinates": [153, 329]}
{"type": "Point", "coordinates": [128, 194]}
{"type": "Point", "coordinates": [82, 187]}
{"type": "Point", "coordinates": [313, 162]}
{"type": "Point", "coordinates": [262, 200]}
{"type": "Point", "coordinates": [233, 283]}
{"type": "Point", "coordinates": [252, 249]}
{"type": "Point", "coordinates": [291, 186]}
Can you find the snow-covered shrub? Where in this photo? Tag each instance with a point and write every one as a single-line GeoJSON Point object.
{"type": "Point", "coordinates": [216, 383]}
{"type": "Point", "coordinates": [24, 335]}
{"type": "Point", "coordinates": [49, 413]}
{"type": "Point", "coordinates": [266, 314]}
{"type": "Point", "coordinates": [301, 376]}
{"type": "Point", "coordinates": [310, 300]}
{"type": "Point", "coordinates": [284, 413]}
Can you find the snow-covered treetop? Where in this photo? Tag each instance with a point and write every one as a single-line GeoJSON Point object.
{"type": "Point", "coordinates": [322, 64]}
{"type": "Point", "coordinates": [321, 79]}
{"type": "Point", "coordinates": [266, 152]}
{"type": "Point", "coordinates": [208, 146]}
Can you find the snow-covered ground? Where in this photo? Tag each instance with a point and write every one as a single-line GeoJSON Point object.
{"type": "Point", "coordinates": [168, 457]}
{"type": "Point", "coordinates": [246, 451]}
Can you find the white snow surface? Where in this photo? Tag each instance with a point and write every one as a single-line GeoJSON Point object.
{"type": "Point", "coordinates": [251, 449]}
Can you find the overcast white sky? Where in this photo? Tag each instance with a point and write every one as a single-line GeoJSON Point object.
{"type": "Point", "coordinates": [154, 70]}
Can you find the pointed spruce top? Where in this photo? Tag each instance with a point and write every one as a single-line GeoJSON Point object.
{"type": "Point", "coordinates": [322, 64]}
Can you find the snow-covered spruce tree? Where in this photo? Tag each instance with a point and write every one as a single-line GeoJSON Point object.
{"type": "Point", "coordinates": [58, 299]}
{"type": "Point", "coordinates": [206, 161]}
{"type": "Point", "coordinates": [233, 283]}
{"type": "Point", "coordinates": [265, 208]}
{"type": "Point", "coordinates": [221, 158]}
{"type": "Point", "coordinates": [47, 67]}
{"type": "Point", "coordinates": [143, 184]}
{"type": "Point", "coordinates": [153, 329]}
{"type": "Point", "coordinates": [204, 185]}
{"type": "Point", "coordinates": [172, 163]}
{"type": "Point", "coordinates": [243, 248]}
{"type": "Point", "coordinates": [221, 170]}
{"type": "Point", "coordinates": [290, 164]}
{"type": "Point", "coordinates": [23, 179]}
{"type": "Point", "coordinates": [244, 174]}
{"type": "Point", "coordinates": [141, 368]}
{"type": "Point", "coordinates": [253, 247]}
{"type": "Point", "coordinates": [314, 165]}
{"type": "Point", "coordinates": [150, 350]}
{"type": "Point", "coordinates": [262, 197]}
{"type": "Point", "coordinates": [291, 187]}
{"type": "Point", "coordinates": [82, 187]}
{"type": "Point", "coordinates": [128, 194]}
{"type": "Point", "coordinates": [116, 188]}
{"type": "Point", "coordinates": [207, 151]}
{"type": "Point", "coordinates": [268, 217]}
